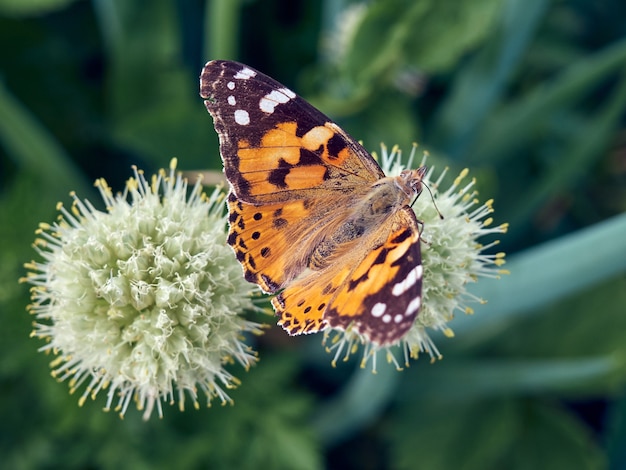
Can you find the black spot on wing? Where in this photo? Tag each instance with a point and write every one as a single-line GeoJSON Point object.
{"type": "Point", "coordinates": [279, 223]}
{"type": "Point", "coordinates": [277, 177]}
{"type": "Point", "coordinates": [335, 145]}
{"type": "Point", "coordinates": [251, 262]}
{"type": "Point", "coordinates": [310, 158]}
{"type": "Point", "coordinates": [251, 276]}
{"type": "Point", "coordinates": [381, 257]}
{"type": "Point", "coordinates": [406, 233]}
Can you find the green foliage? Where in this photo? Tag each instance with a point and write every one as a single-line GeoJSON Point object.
{"type": "Point", "coordinates": [531, 95]}
{"type": "Point", "coordinates": [503, 433]}
{"type": "Point", "coordinates": [31, 7]}
{"type": "Point", "coordinates": [404, 31]}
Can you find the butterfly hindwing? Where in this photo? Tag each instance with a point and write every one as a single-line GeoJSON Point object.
{"type": "Point", "coordinates": [383, 294]}
{"type": "Point", "coordinates": [375, 291]}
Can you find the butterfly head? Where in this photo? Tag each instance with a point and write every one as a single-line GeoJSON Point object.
{"type": "Point", "coordinates": [410, 181]}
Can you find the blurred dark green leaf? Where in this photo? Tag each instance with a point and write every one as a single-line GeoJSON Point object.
{"type": "Point", "coordinates": [578, 261]}
{"type": "Point", "coordinates": [520, 119]}
{"type": "Point", "coordinates": [31, 7]}
{"type": "Point", "coordinates": [493, 434]}
{"type": "Point", "coordinates": [477, 89]}
{"type": "Point", "coordinates": [428, 35]}
{"type": "Point", "coordinates": [32, 146]}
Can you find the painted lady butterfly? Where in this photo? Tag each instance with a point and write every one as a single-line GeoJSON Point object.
{"type": "Point", "coordinates": [312, 216]}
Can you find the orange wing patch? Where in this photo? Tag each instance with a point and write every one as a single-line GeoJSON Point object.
{"type": "Point", "coordinates": [376, 271]}
{"type": "Point", "coordinates": [282, 145]}
{"type": "Point", "coordinates": [283, 161]}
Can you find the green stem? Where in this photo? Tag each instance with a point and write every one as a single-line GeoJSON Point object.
{"type": "Point", "coordinates": [222, 29]}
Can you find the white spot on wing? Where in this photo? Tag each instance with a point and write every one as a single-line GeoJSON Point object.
{"type": "Point", "coordinates": [413, 306]}
{"type": "Point", "coordinates": [378, 309]}
{"type": "Point", "coordinates": [242, 117]}
{"type": "Point", "coordinates": [398, 318]}
{"type": "Point", "coordinates": [274, 98]}
{"type": "Point", "coordinates": [244, 74]}
{"type": "Point", "coordinates": [408, 282]}
{"type": "Point", "coordinates": [230, 85]}
{"type": "Point", "coordinates": [232, 101]}
{"type": "Point", "coordinates": [386, 318]}
{"type": "Point", "coordinates": [288, 92]}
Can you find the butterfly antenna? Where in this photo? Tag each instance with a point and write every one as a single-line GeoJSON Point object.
{"type": "Point", "coordinates": [434, 203]}
{"type": "Point", "coordinates": [432, 198]}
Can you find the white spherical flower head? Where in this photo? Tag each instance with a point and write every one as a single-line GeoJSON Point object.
{"type": "Point", "coordinates": [144, 300]}
{"type": "Point", "coordinates": [451, 257]}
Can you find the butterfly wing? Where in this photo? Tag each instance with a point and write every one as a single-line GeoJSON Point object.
{"type": "Point", "coordinates": [293, 172]}
{"type": "Point", "coordinates": [374, 288]}
{"type": "Point", "coordinates": [273, 242]}
{"type": "Point", "coordinates": [275, 146]}
{"type": "Point", "coordinates": [294, 176]}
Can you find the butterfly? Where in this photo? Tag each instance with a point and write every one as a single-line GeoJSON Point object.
{"type": "Point", "coordinates": [312, 217]}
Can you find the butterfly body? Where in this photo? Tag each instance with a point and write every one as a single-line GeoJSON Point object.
{"type": "Point", "coordinates": [312, 216]}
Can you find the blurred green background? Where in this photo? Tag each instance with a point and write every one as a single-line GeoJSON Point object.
{"type": "Point", "coordinates": [529, 94]}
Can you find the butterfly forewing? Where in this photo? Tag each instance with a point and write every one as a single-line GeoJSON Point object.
{"type": "Point", "coordinates": [276, 146]}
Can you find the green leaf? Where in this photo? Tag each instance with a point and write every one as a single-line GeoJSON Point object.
{"type": "Point", "coordinates": [401, 32]}
{"type": "Point", "coordinates": [222, 28]}
{"type": "Point", "coordinates": [447, 31]}
{"type": "Point", "coordinates": [479, 85]}
{"type": "Point", "coordinates": [31, 7]}
{"type": "Point", "coordinates": [154, 100]}
{"type": "Point", "coordinates": [271, 413]}
{"type": "Point", "coordinates": [524, 115]}
{"type": "Point", "coordinates": [579, 155]}
{"type": "Point", "coordinates": [550, 437]}
{"type": "Point", "coordinates": [358, 403]}
{"type": "Point", "coordinates": [382, 35]}
{"type": "Point", "coordinates": [390, 120]}
{"type": "Point", "coordinates": [491, 434]}
{"type": "Point", "coordinates": [465, 380]}
{"type": "Point", "coordinates": [34, 148]}
{"type": "Point", "coordinates": [470, 437]}
{"type": "Point", "coordinates": [574, 327]}
{"type": "Point", "coordinates": [545, 274]}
